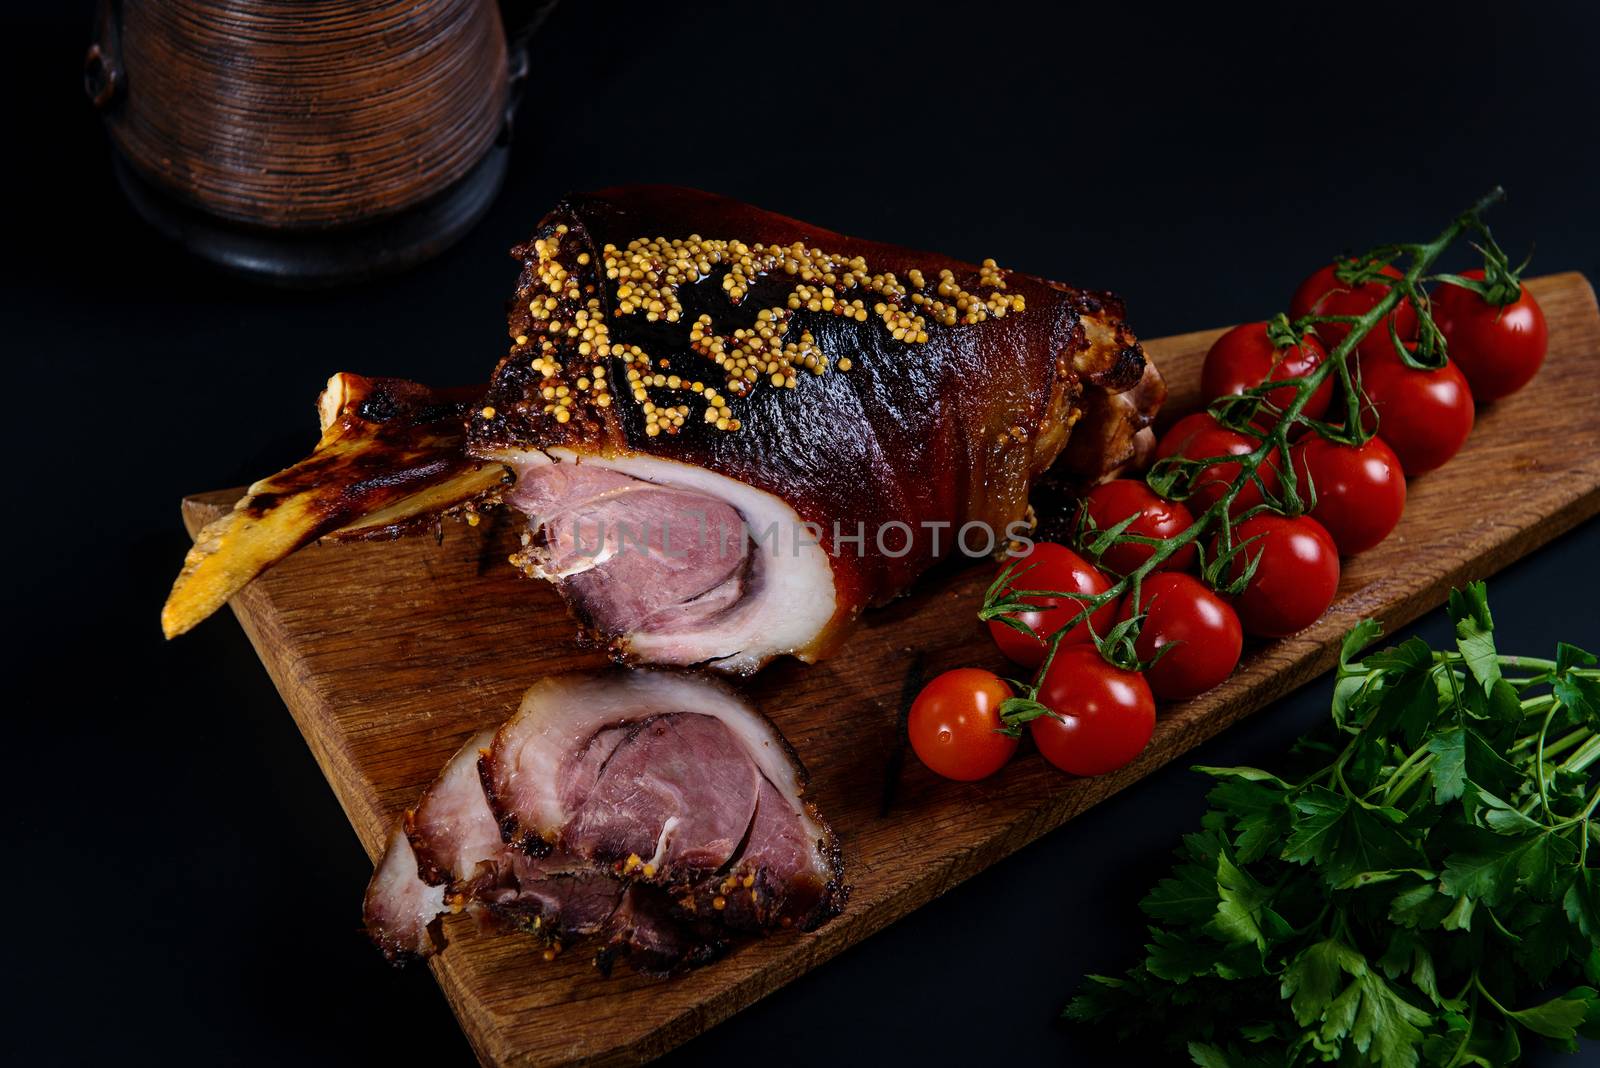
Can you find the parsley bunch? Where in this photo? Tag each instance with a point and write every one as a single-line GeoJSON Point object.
{"type": "Point", "coordinates": [1422, 894]}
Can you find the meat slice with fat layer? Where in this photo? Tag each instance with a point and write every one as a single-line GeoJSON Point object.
{"type": "Point", "coordinates": [657, 812]}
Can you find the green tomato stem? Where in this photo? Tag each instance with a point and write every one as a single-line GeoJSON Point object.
{"type": "Point", "coordinates": [1275, 440]}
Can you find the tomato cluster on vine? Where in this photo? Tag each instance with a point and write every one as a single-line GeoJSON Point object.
{"type": "Point", "coordinates": [1312, 428]}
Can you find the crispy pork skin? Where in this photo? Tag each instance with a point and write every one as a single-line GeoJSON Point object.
{"type": "Point", "coordinates": [682, 828]}
{"type": "Point", "coordinates": [863, 403]}
{"type": "Point", "coordinates": [764, 426]}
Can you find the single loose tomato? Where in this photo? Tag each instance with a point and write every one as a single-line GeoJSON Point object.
{"type": "Point", "coordinates": [1360, 489]}
{"type": "Point", "coordinates": [1200, 436]}
{"type": "Point", "coordinates": [955, 725]}
{"type": "Point", "coordinates": [1324, 294]}
{"type": "Point", "coordinates": [1107, 714]}
{"type": "Point", "coordinates": [1200, 632]}
{"type": "Point", "coordinates": [1296, 579]}
{"type": "Point", "coordinates": [1246, 356]}
{"type": "Point", "coordinates": [1048, 566]}
{"type": "Point", "coordinates": [1111, 502]}
{"type": "Point", "coordinates": [1498, 347]}
{"type": "Point", "coordinates": [1424, 416]}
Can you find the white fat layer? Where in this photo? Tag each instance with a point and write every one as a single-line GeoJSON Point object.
{"type": "Point", "coordinates": [399, 905]}
{"type": "Point", "coordinates": [793, 598]}
{"type": "Point", "coordinates": [667, 828]}
{"type": "Point", "coordinates": [455, 810]}
{"type": "Point", "coordinates": [559, 715]}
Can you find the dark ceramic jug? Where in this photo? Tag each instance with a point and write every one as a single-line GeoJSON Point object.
{"type": "Point", "coordinates": [310, 142]}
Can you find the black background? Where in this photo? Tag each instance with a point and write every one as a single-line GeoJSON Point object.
{"type": "Point", "coordinates": [184, 886]}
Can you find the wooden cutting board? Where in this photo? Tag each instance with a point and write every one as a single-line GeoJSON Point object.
{"type": "Point", "coordinates": [389, 655]}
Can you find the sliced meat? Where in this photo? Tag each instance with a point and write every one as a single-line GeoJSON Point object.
{"type": "Point", "coordinates": [556, 896]}
{"type": "Point", "coordinates": [657, 813]}
{"type": "Point", "coordinates": [647, 932]}
{"type": "Point", "coordinates": [448, 855]}
{"type": "Point", "coordinates": [453, 833]}
{"type": "Point", "coordinates": [772, 882]}
{"type": "Point", "coordinates": [691, 563]}
{"type": "Point", "coordinates": [671, 781]}
{"type": "Point", "coordinates": [668, 570]}
{"type": "Point", "coordinates": [400, 909]}
{"type": "Point", "coordinates": [676, 795]}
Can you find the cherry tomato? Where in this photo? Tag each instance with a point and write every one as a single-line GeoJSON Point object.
{"type": "Point", "coordinates": [1111, 502]}
{"type": "Point", "coordinates": [955, 725]}
{"type": "Point", "coordinates": [1498, 349]}
{"type": "Point", "coordinates": [1202, 631]}
{"type": "Point", "coordinates": [1296, 579]}
{"type": "Point", "coordinates": [1424, 416]}
{"type": "Point", "coordinates": [1245, 357]}
{"type": "Point", "coordinates": [1324, 294]}
{"type": "Point", "coordinates": [1361, 490]}
{"type": "Point", "coordinates": [1181, 431]}
{"type": "Point", "coordinates": [1107, 714]}
{"type": "Point", "coordinates": [1048, 566]}
{"type": "Point", "coordinates": [1198, 436]}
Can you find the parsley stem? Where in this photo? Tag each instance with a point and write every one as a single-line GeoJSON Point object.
{"type": "Point", "coordinates": [1560, 745]}
{"type": "Point", "coordinates": [1526, 662]}
{"type": "Point", "coordinates": [1478, 985]}
{"type": "Point", "coordinates": [1544, 795]}
{"type": "Point", "coordinates": [1397, 785]}
{"type": "Point", "coordinates": [1583, 757]}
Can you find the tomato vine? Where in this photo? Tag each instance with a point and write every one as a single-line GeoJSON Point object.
{"type": "Point", "coordinates": [1176, 477]}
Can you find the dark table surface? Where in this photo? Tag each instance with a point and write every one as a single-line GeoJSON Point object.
{"type": "Point", "coordinates": [188, 885]}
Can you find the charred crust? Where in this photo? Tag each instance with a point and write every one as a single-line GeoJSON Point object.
{"type": "Point", "coordinates": [1123, 372]}
{"type": "Point", "coordinates": [398, 954]}
{"type": "Point", "coordinates": [836, 893]}
{"type": "Point", "coordinates": [511, 830]}
{"type": "Point", "coordinates": [429, 870]}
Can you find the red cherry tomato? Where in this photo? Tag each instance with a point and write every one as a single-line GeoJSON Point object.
{"type": "Point", "coordinates": [1107, 714]}
{"type": "Point", "coordinates": [1245, 357]}
{"type": "Point", "coordinates": [1202, 631]}
{"type": "Point", "coordinates": [1180, 432]}
{"type": "Point", "coordinates": [1324, 294]}
{"type": "Point", "coordinates": [1296, 579]}
{"type": "Point", "coordinates": [1424, 416]}
{"type": "Point", "coordinates": [1361, 490]}
{"type": "Point", "coordinates": [1498, 349]}
{"type": "Point", "coordinates": [1199, 436]}
{"type": "Point", "coordinates": [1048, 566]}
{"type": "Point", "coordinates": [955, 725]}
{"type": "Point", "coordinates": [1111, 502]}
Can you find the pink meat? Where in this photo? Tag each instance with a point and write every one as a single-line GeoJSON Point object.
{"type": "Point", "coordinates": [633, 557]}
{"type": "Point", "coordinates": [677, 793]}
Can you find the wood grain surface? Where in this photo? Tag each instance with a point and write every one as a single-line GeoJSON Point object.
{"type": "Point", "coordinates": [389, 655]}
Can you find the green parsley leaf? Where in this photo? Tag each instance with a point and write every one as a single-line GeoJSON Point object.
{"type": "Point", "coordinates": [1449, 771]}
{"type": "Point", "coordinates": [1469, 608]}
{"type": "Point", "coordinates": [1424, 875]}
{"type": "Point", "coordinates": [1559, 1017]}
